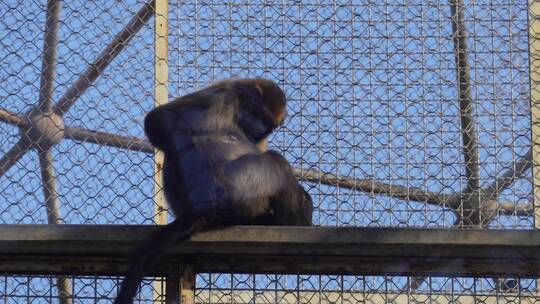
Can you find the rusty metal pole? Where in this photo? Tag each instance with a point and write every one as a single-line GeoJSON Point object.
{"type": "Point", "coordinates": [161, 74]}
{"type": "Point", "coordinates": [471, 203]}
{"type": "Point", "coordinates": [468, 129]}
{"type": "Point", "coordinates": [161, 97]}
{"type": "Point", "coordinates": [187, 284]}
{"type": "Point", "coordinates": [48, 66]}
{"type": "Point", "coordinates": [46, 89]}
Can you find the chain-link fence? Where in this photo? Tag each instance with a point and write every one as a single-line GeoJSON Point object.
{"type": "Point", "coordinates": [356, 289]}
{"type": "Point", "coordinates": [421, 107]}
{"type": "Point", "coordinates": [264, 288]}
{"type": "Point", "coordinates": [85, 289]}
{"type": "Point", "coordinates": [401, 114]}
{"type": "Point", "coordinates": [382, 98]}
{"type": "Point", "coordinates": [100, 79]}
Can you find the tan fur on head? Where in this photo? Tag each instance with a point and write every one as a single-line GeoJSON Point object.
{"type": "Point", "coordinates": [263, 145]}
{"type": "Point", "coordinates": [259, 89]}
{"type": "Point", "coordinates": [274, 98]}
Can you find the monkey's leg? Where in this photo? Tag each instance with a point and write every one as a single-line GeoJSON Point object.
{"type": "Point", "coordinates": [259, 183]}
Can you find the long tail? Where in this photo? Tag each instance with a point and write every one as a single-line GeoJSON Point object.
{"type": "Point", "coordinates": [150, 253]}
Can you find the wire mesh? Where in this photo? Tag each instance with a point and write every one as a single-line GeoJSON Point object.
{"type": "Point", "coordinates": [85, 289]}
{"type": "Point", "coordinates": [272, 288]}
{"type": "Point", "coordinates": [43, 178]}
{"type": "Point", "coordinates": [275, 288]}
{"type": "Point", "coordinates": [401, 113]}
{"type": "Point", "coordinates": [374, 92]}
{"type": "Point", "coordinates": [94, 183]}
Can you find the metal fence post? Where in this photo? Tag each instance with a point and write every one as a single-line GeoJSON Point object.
{"type": "Point", "coordinates": [187, 285]}
{"type": "Point", "coordinates": [160, 98]}
{"type": "Point", "coordinates": [181, 287]}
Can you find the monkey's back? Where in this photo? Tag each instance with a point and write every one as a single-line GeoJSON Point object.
{"type": "Point", "coordinates": [194, 179]}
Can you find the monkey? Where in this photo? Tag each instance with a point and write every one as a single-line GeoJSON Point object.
{"type": "Point", "coordinates": [216, 169]}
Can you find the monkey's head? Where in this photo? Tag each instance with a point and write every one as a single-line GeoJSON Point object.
{"type": "Point", "coordinates": [262, 106]}
{"type": "Point", "coordinates": [273, 99]}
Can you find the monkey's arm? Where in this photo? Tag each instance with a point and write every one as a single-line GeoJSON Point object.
{"type": "Point", "coordinates": [191, 114]}
{"type": "Point", "coordinates": [216, 108]}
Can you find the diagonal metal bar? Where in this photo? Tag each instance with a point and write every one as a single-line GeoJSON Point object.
{"type": "Point", "coordinates": [364, 185]}
{"type": "Point", "coordinates": [48, 176]}
{"type": "Point", "coordinates": [104, 59]}
{"type": "Point", "coordinates": [52, 204]}
{"type": "Point", "coordinates": [12, 118]}
{"type": "Point", "coordinates": [13, 155]}
{"type": "Point", "coordinates": [491, 193]}
{"type": "Point", "coordinates": [470, 145]}
{"type": "Point", "coordinates": [378, 188]}
{"type": "Point", "coordinates": [509, 208]}
{"type": "Point", "coordinates": [50, 43]}
{"type": "Point", "coordinates": [107, 139]}
{"type": "Point", "coordinates": [46, 89]}
{"type": "Point", "coordinates": [510, 176]}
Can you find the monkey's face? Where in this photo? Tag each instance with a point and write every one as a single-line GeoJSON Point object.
{"type": "Point", "coordinates": [274, 99]}
{"type": "Point", "coordinates": [262, 104]}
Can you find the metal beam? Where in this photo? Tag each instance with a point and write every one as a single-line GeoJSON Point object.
{"type": "Point", "coordinates": [48, 176]}
{"type": "Point", "coordinates": [13, 155]}
{"type": "Point", "coordinates": [377, 188]}
{"type": "Point", "coordinates": [108, 139]}
{"type": "Point", "coordinates": [46, 89]}
{"type": "Point", "coordinates": [106, 249]}
{"type": "Point", "coordinates": [468, 129]}
{"type": "Point", "coordinates": [187, 284]}
{"type": "Point", "coordinates": [507, 178]}
{"type": "Point", "coordinates": [534, 81]}
{"type": "Point", "coordinates": [510, 208]}
{"type": "Point", "coordinates": [12, 118]}
{"type": "Point", "coordinates": [534, 74]}
{"type": "Point", "coordinates": [161, 95]}
{"type": "Point", "coordinates": [48, 65]}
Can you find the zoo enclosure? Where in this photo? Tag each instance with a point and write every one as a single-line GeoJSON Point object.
{"type": "Point", "coordinates": [422, 114]}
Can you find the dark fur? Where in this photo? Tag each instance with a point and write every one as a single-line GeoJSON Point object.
{"type": "Point", "coordinates": [214, 174]}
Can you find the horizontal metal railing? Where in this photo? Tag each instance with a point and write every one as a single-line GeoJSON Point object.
{"type": "Point", "coordinates": [106, 249]}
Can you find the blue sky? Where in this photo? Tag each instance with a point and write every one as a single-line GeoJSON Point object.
{"type": "Point", "coordinates": [371, 87]}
